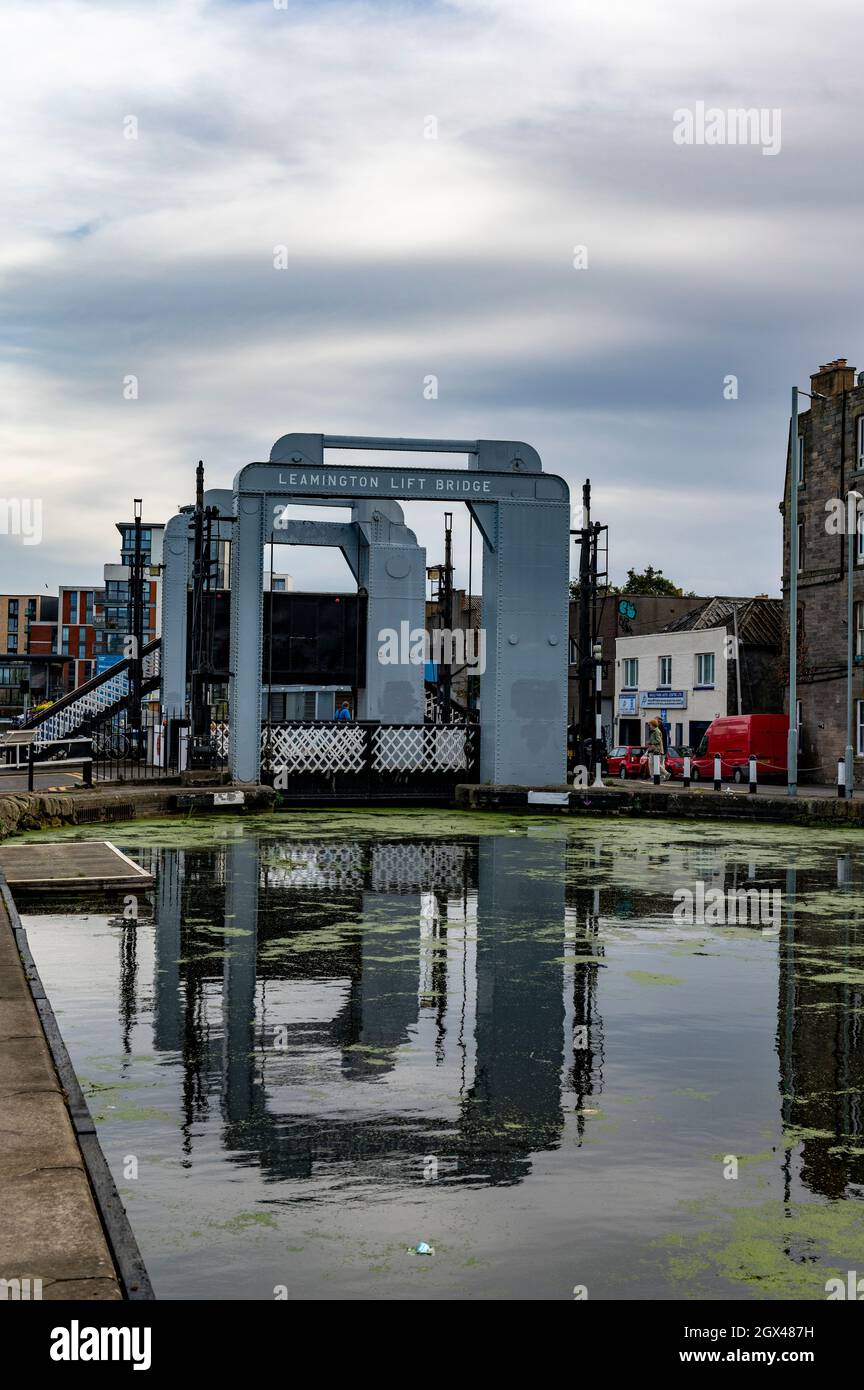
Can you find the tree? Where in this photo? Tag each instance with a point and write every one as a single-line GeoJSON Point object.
{"type": "Point", "coordinates": [653, 581]}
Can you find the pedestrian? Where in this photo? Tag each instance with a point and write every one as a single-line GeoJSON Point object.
{"type": "Point", "coordinates": [655, 745]}
{"type": "Point", "coordinates": [343, 712]}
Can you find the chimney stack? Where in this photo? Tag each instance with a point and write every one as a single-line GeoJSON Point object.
{"type": "Point", "coordinates": [833, 378]}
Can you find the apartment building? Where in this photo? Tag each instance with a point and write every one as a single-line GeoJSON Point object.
{"type": "Point", "coordinates": [27, 681]}
{"type": "Point", "coordinates": [829, 465]}
{"type": "Point", "coordinates": [619, 616]}
{"type": "Point", "coordinates": [80, 610]}
{"type": "Point", "coordinates": [18, 614]}
{"type": "Point", "coordinates": [723, 657]}
{"type": "Point", "coordinates": [114, 626]}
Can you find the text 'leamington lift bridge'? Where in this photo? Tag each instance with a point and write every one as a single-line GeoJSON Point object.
{"type": "Point", "coordinates": [523, 516]}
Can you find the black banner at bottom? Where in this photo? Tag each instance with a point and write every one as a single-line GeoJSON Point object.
{"type": "Point", "coordinates": [156, 1338]}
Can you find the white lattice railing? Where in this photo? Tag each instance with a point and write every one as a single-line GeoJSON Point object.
{"type": "Point", "coordinates": [336, 747]}
{"type": "Point", "coordinates": [391, 868]}
{"type": "Point", "coordinates": [419, 748]}
{"type": "Point", "coordinates": [220, 737]}
{"type": "Point", "coordinates": [92, 702]}
{"type": "Point", "coordinates": [151, 664]}
{"type": "Point", "coordinates": [324, 748]}
{"type": "Point", "coordinates": [315, 866]}
{"type": "Point", "coordinates": [413, 868]}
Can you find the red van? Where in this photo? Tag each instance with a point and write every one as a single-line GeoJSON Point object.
{"type": "Point", "coordinates": [735, 738]}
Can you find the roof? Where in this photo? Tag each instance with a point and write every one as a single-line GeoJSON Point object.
{"type": "Point", "coordinates": [759, 619]}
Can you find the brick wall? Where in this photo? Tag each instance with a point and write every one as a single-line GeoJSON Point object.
{"type": "Point", "coordinates": [830, 432]}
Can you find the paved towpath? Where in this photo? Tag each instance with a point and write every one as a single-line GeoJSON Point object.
{"type": "Point", "coordinates": [49, 1226]}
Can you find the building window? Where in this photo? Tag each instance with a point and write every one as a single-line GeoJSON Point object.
{"type": "Point", "coordinates": [859, 631]}
{"type": "Point", "coordinates": [860, 743]}
{"type": "Point", "coordinates": [73, 608]}
{"type": "Point", "coordinates": [664, 671]}
{"type": "Point", "coordinates": [800, 546]}
{"type": "Point", "coordinates": [631, 673]}
{"type": "Point", "coordinates": [13, 607]}
{"type": "Point", "coordinates": [861, 441]}
{"type": "Point", "coordinates": [12, 644]}
{"type": "Point", "coordinates": [860, 528]}
{"type": "Point", "coordinates": [800, 460]}
{"type": "Point", "coordinates": [705, 668]}
{"type": "Point", "coordinates": [64, 649]}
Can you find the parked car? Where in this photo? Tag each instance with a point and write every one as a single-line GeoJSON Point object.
{"type": "Point", "coordinates": [735, 737]}
{"type": "Point", "coordinates": [675, 760]}
{"type": "Point", "coordinates": [623, 761]}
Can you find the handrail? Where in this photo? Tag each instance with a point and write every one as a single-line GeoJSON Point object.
{"type": "Point", "coordinates": [94, 683]}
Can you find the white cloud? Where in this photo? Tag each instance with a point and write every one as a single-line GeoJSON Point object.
{"type": "Point", "coordinates": [407, 255]}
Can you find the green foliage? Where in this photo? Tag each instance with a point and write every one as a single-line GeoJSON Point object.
{"type": "Point", "coordinates": [652, 581]}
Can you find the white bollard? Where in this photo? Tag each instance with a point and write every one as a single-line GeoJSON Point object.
{"type": "Point", "coordinates": [752, 775]}
{"type": "Point", "coordinates": [718, 778]}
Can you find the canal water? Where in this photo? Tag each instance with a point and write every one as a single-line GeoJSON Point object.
{"type": "Point", "coordinates": [326, 1039]}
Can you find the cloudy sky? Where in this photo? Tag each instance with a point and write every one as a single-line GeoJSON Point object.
{"type": "Point", "coordinates": [308, 127]}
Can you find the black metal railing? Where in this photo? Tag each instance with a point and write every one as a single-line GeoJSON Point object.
{"type": "Point", "coordinates": [123, 753]}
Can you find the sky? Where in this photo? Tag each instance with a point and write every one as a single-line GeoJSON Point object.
{"type": "Point", "coordinates": [424, 172]}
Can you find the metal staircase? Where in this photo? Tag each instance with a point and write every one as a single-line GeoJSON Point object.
{"type": "Point", "coordinates": [435, 711]}
{"type": "Point", "coordinates": [98, 700]}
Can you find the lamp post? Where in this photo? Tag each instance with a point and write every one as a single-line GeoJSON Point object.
{"type": "Point", "coordinates": [136, 627]}
{"type": "Point", "coordinates": [598, 714]}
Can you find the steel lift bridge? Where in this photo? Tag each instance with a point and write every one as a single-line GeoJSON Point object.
{"type": "Point", "coordinates": [523, 516]}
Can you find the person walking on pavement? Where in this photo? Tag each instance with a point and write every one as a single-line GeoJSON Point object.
{"type": "Point", "coordinates": [655, 745]}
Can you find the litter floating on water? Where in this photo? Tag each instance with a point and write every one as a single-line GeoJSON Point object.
{"type": "Point", "coordinates": [421, 1248]}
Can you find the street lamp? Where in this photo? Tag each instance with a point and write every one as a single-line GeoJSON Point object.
{"type": "Point", "coordinates": [792, 744]}
{"type": "Point", "coordinates": [597, 653]}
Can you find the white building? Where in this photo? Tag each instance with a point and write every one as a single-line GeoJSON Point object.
{"type": "Point", "coordinates": [679, 676]}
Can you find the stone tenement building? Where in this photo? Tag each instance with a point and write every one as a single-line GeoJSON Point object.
{"type": "Point", "coordinates": [830, 462]}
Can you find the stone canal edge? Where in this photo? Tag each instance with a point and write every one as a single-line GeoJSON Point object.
{"type": "Point", "coordinates": [61, 1218]}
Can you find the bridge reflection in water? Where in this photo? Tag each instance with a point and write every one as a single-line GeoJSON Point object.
{"type": "Point", "coordinates": [350, 961]}
{"type": "Point", "coordinates": [363, 1037]}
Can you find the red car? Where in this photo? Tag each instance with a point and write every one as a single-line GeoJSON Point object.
{"type": "Point", "coordinates": [623, 762]}
{"type": "Point", "coordinates": [675, 761]}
